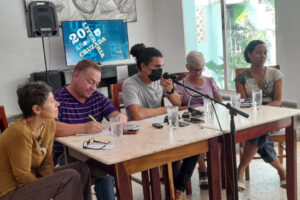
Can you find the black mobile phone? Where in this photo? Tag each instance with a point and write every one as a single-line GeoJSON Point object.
{"type": "Point", "coordinates": [132, 127]}
{"type": "Point", "coordinates": [245, 105]}
{"type": "Point", "coordinates": [186, 115]}
{"type": "Point", "coordinates": [183, 124]}
{"type": "Point", "coordinates": [157, 125]}
{"type": "Point", "coordinates": [194, 120]}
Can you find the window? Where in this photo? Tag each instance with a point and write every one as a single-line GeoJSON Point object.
{"type": "Point", "coordinates": [244, 20]}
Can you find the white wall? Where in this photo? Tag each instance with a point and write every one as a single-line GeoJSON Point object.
{"type": "Point", "coordinates": [170, 33]}
{"type": "Point", "coordinates": [159, 24]}
{"type": "Point", "coordinates": [288, 47]}
{"type": "Point", "coordinates": [20, 56]}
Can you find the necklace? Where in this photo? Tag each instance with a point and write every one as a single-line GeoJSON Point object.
{"type": "Point", "coordinates": [38, 135]}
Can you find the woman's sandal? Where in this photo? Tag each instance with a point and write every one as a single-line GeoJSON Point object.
{"type": "Point", "coordinates": [283, 184]}
{"type": "Point", "coordinates": [203, 180]}
{"type": "Point", "coordinates": [241, 186]}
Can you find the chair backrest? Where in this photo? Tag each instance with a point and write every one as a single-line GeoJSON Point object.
{"type": "Point", "coordinates": [3, 120]}
{"type": "Point", "coordinates": [240, 70]}
{"type": "Point", "coordinates": [115, 90]}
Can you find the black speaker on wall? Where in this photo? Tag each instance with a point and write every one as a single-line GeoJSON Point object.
{"type": "Point", "coordinates": [42, 19]}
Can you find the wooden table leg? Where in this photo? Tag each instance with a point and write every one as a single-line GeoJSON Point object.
{"type": "Point", "coordinates": [146, 185]}
{"type": "Point", "coordinates": [291, 161]}
{"type": "Point", "coordinates": [229, 167]}
{"type": "Point", "coordinates": [155, 184]}
{"type": "Point", "coordinates": [213, 166]}
{"type": "Point", "coordinates": [123, 182]}
{"type": "Point", "coordinates": [223, 172]}
{"type": "Point", "coordinates": [168, 181]}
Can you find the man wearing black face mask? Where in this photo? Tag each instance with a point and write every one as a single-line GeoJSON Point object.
{"type": "Point", "coordinates": [143, 92]}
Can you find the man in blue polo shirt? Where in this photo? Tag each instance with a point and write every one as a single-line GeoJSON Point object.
{"type": "Point", "coordinates": [77, 101]}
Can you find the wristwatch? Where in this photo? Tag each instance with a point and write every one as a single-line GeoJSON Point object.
{"type": "Point", "coordinates": [172, 91]}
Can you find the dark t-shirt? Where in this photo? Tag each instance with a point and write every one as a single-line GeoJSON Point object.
{"type": "Point", "coordinates": [72, 111]}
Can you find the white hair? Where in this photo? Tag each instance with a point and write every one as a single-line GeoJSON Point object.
{"type": "Point", "coordinates": [195, 58]}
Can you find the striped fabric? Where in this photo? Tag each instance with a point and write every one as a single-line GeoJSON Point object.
{"type": "Point", "coordinates": [72, 111]}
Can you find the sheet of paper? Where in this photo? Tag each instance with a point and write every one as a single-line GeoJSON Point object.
{"type": "Point", "coordinates": [157, 119]}
{"type": "Point", "coordinates": [105, 131]}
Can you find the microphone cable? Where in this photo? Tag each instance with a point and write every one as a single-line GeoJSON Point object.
{"type": "Point", "coordinates": [224, 148]}
{"type": "Point", "coordinates": [45, 61]}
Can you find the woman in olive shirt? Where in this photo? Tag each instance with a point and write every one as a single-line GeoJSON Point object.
{"type": "Point", "coordinates": [26, 167]}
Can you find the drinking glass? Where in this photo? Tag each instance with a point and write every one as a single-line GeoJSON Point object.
{"type": "Point", "coordinates": [235, 100]}
{"type": "Point", "coordinates": [257, 98]}
{"type": "Point", "coordinates": [116, 129]}
{"type": "Point", "coordinates": [208, 110]}
{"type": "Point", "coordinates": [173, 117]}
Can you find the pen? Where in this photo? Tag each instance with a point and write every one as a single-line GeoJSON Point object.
{"type": "Point", "coordinates": [92, 118]}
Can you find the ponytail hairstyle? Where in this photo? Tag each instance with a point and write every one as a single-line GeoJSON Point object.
{"type": "Point", "coordinates": [144, 54]}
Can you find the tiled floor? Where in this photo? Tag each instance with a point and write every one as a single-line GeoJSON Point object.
{"type": "Point", "coordinates": [263, 184]}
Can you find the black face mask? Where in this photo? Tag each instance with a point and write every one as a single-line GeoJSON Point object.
{"type": "Point", "coordinates": [155, 74]}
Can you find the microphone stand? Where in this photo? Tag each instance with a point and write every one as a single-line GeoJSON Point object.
{"type": "Point", "coordinates": [233, 112]}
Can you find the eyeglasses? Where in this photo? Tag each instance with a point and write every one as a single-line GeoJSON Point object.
{"type": "Point", "coordinates": [197, 70]}
{"type": "Point", "coordinates": [90, 144]}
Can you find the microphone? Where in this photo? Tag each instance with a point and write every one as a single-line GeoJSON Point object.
{"type": "Point", "coordinates": [195, 112]}
{"type": "Point", "coordinates": [166, 75]}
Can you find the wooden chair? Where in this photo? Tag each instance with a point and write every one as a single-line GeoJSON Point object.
{"type": "Point", "coordinates": [3, 120]}
{"type": "Point", "coordinates": [278, 137]}
{"type": "Point", "coordinates": [116, 90]}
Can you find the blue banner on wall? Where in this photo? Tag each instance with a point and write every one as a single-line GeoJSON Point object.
{"type": "Point", "coordinates": [102, 40]}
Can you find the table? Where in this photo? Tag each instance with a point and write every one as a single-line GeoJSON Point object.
{"type": "Point", "coordinates": [151, 148]}
{"type": "Point", "coordinates": [260, 122]}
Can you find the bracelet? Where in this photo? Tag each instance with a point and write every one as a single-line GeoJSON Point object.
{"type": "Point", "coordinates": [171, 92]}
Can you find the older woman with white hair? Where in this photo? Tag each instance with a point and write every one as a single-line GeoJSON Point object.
{"type": "Point", "coordinates": [207, 85]}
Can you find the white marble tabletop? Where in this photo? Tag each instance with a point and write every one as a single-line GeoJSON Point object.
{"type": "Point", "coordinates": [147, 141]}
{"type": "Point", "coordinates": [264, 115]}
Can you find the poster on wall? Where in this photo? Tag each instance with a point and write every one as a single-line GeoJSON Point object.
{"type": "Point", "coordinates": [71, 10]}
{"type": "Point", "coordinates": [99, 40]}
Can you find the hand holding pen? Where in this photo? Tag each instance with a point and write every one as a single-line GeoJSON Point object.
{"type": "Point", "coordinates": [93, 126]}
